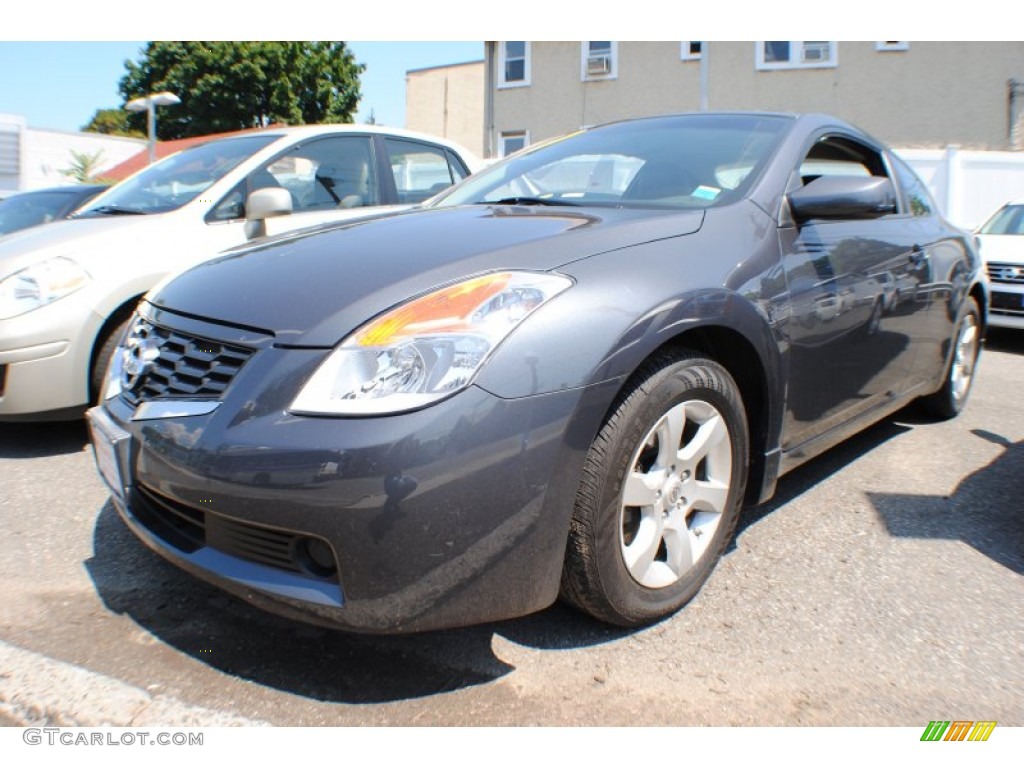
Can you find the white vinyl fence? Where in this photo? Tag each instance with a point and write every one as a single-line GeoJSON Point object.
{"type": "Point", "coordinates": [968, 185]}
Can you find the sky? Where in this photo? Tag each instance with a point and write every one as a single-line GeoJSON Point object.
{"type": "Point", "coordinates": [59, 85]}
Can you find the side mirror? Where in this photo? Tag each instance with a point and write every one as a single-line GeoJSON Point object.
{"type": "Point", "coordinates": [844, 197]}
{"type": "Point", "coordinates": [263, 204]}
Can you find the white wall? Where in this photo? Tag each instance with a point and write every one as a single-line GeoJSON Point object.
{"type": "Point", "coordinates": [32, 158]}
{"type": "Point", "coordinates": [968, 185]}
{"type": "Point", "coordinates": [46, 153]}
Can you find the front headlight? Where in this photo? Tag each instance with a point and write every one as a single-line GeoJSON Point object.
{"type": "Point", "coordinates": [426, 349]}
{"type": "Point", "coordinates": [39, 285]}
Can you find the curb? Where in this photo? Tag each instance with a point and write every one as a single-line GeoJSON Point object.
{"type": "Point", "coordinates": [38, 690]}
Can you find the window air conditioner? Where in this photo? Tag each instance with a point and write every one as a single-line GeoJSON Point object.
{"type": "Point", "coordinates": [599, 65]}
{"type": "Point", "coordinates": [816, 51]}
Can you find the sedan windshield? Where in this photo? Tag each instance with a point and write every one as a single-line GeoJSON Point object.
{"type": "Point", "coordinates": [1008, 220]}
{"type": "Point", "coordinates": [177, 180]}
{"type": "Point", "coordinates": [688, 161]}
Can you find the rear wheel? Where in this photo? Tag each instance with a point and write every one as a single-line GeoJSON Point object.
{"type": "Point", "coordinates": [951, 398]}
{"type": "Point", "coordinates": [661, 493]}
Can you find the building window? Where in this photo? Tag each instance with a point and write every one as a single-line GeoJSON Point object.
{"type": "Point", "coordinates": [10, 150]}
{"type": "Point", "coordinates": [513, 141]}
{"type": "Point", "coordinates": [599, 60]}
{"type": "Point", "coordinates": [892, 45]}
{"type": "Point", "coordinates": [514, 63]}
{"type": "Point", "coordinates": [690, 50]}
{"type": "Point", "coordinates": [796, 54]}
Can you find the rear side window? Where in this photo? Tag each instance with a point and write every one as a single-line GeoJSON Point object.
{"type": "Point", "coordinates": [420, 170]}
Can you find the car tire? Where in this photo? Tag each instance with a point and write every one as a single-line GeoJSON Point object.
{"type": "Point", "coordinates": [102, 360]}
{"type": "Point", "coordinates": [951, 397]}
{"type": "Point", "coordinates": [675, 444]}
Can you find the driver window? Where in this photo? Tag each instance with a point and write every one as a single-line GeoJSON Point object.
{"type": "Point", "coordinates": [232, 207]}
{"type": "Point", "coordinates": [331, 173]}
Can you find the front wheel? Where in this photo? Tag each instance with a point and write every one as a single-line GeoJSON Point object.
{"type": "Point", "coordinates": [661, 492]}
{"type": "Point", "coordinates": [103, 359]}
{"type": "Point", "coordinates": [951, 398]}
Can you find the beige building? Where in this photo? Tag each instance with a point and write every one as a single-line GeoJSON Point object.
{"type": "Point", "coordinates": [449, 102]}
{"type": "Point", "coordinates": [925, 95]}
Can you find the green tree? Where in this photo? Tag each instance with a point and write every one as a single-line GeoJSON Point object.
{"type": "Point", "coordinates": [83, 167]}
{"type": "Point", "coordinates": [113, 122]}
{"type": "Point", "coordinates": [227, 86]}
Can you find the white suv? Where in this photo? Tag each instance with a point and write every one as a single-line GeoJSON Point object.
{"type": "Point", "coordinates": [1002, 248]}
{"type": "Point", "coordinates": [68, 288]}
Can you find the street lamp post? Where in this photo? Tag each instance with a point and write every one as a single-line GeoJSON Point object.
{"type": "Point", "coordinates": [148, 104]}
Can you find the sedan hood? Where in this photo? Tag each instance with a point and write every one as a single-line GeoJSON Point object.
{"type": "Point", "coordinates": [313, 289]}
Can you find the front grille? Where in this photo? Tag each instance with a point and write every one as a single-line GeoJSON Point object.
{"type": "Point", "coordinates": [185, 366]}
{"type": "Point", "coordinates": [1006, 273]}
{"type": "Point", "coordinates": [190, 528]}
{"type": "Point", "coordinates": [1003, 303]}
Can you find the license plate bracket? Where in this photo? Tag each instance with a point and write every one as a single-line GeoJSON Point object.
{"type": "Point", "coordinates": [110, 445]}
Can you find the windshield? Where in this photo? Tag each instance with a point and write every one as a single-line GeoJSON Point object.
{"type": "Point", "coordinates": [1008, 220]}
{"type": "Point", "coordinates": [688, 161]}
{"type": "Point", "coordinates": [177, 180]}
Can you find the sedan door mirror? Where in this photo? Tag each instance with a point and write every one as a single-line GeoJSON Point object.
{"type": "Point", "coordinates": [263, 204]}
{"type": "Point", "coordinates": [844, 197]}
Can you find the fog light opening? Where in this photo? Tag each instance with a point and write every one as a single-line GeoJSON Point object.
{"type": "Point", "coordinates": [316, 557]}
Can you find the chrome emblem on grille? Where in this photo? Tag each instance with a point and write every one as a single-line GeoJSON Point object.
{"type": "Point", "coordinates": [137, 357]}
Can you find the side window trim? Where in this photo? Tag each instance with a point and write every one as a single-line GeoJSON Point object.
{"type": "Point", "coordinates": [385, 178]}
{"type": "Point", "coordinates": [458, 167]}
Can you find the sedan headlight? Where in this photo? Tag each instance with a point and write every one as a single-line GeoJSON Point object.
{"type": "Point", "coordinates": [39, 285]}
{"type": "Point", "coordinates": [426, 349]}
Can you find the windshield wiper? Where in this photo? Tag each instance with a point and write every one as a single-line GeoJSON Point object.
{"type": "Point", "coordinates": [115, 210]}
{"type": "Point", "coordinates": [527, 201]}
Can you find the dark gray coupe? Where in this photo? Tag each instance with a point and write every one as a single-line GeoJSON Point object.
{"type": "Point", "coordinates": [564, 376]}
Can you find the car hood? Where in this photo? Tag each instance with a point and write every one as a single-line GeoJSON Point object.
{"type": "Point", "coordinates": [1007, 249]}
{"type": "Point", "coordinates": [77, 239]}
{"type": "Point", "coordinates": [313, 289]}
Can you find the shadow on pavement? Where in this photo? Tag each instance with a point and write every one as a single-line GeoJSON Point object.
{"type": "Point", "coordinates": [318, 663]}
{"type": "Point", "coordinates": [804, 478]}
{"type": "Point", "coordinates": [304, 660]}
{"type": "Point", "coordinates": [1005, 340]}
{"type": "Point", "coordinates": [985, 511]}
{"type": "Point", "coordinates": [32, 441]}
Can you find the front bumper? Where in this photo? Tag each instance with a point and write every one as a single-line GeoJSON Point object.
{"type": "Point", "coordinates": [46, 355]}
{"type": "Point", "coordinates": [453, 515]}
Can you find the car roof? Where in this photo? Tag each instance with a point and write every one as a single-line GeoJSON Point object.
{"type": "Point", "coordinates": [293, 132]}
